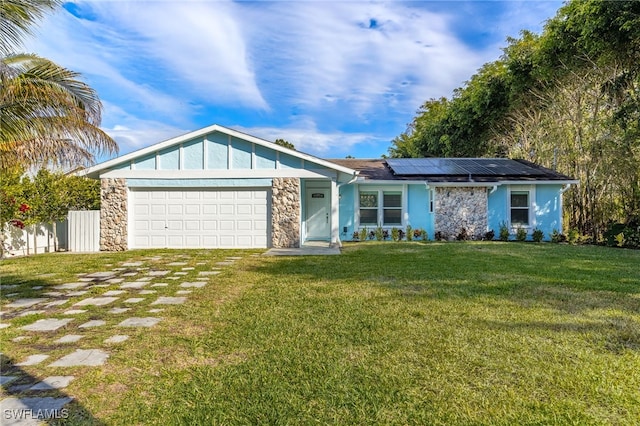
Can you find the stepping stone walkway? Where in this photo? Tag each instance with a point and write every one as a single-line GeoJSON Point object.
{"type": "Point", "coordinates": [82, 357]}
{"type": "Point", "coordinates": [47, 324]}
{"type": "Point", "coordinates": [60, 339]}
{"type": "Point", "coordinates": [139, 322]}
{"type": "Point", "coordinates": [97, 301]}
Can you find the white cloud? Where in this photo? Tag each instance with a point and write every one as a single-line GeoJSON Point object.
{"type": "Point", "coordinates": [307, 138]}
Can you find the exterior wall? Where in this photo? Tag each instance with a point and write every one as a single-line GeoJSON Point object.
{"type": "Point", "coordinates": [285, 213]}
{"type": "Point", "coordinates": [347, 212]}
{"type": "Point", "coordinates": [548, 209]}
{"type": "Point", "coordinates": [418, 215]}
{"type": "Point", "coordinates": [498, 212]}
{"type": "Point", "coordinates": [113, 214]}
{"type": "Point", "coordinates": [461, 207]}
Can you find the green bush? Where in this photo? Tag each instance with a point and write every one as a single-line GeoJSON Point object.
{"type": "Point", "coordinates": [537, 235]}
{"type": "Point", "coordinates": [409, 233]}
{"type": "Point", "coordinates": [363, 234]}
{"type": "Point", "coordinates": [379, 234]}
{"type": "Point", "coordinates": [521, 234]}
{"type": "Point", "coordinates": [504, 232]}
{"type": "Point", "coordinates": [395, 234]}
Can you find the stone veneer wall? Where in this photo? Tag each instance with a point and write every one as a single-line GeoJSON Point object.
{"type": "Point", "coordinates": [285, 212]}
{"type": "Point", "coordinates": [461, 207]}
{"type": "Point", "coordinates": [113, 214]}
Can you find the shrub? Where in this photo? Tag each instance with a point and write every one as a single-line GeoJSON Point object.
{"type": "Point", "coordinates": [574, 236]}
{"type": "Point", "coordinates": [504, 232]}
{"type": "Point", "coordinates": [489, 235]}
{"type": "Point", "coordinates": [521, 234]}
{"type": "Point", "coordinates": [440, 236]}
{"type": "Point", "coordinates": [558, 237]}
{"type": "Point", "coordinates": [395, 234]}
{"type": "Point", "coordinates": [363, 234]}
{"type": "Point", "coordinates": [409, 233]}
{"type": "Point", "coordinates": [537, 235]}
{"type": "Point", "coordinates": [462, 235]}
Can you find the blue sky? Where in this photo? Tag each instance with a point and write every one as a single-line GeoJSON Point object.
{"type": "Point", "coordinates": [335, 78]}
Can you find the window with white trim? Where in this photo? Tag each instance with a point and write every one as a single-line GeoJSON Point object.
{"type": "Point", "coordinates": [380, 208]}
{"type": "Point", "coordinates": [369, 208]}
{"type": "Point", "coordinates": [520, 208]}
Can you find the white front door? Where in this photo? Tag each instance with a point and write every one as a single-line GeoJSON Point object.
{"type": "Point", "coordinates": [318, 214]}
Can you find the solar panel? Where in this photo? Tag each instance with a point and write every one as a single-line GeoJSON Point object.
{"type": "Point", "coordinates": [461, 167]}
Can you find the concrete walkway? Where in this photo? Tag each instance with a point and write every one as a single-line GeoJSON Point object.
{"type": "Point", "coordinates": [310, 248]}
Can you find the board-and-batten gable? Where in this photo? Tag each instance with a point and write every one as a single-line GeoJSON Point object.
{"type": "Point", "coordinates": [217, 152]}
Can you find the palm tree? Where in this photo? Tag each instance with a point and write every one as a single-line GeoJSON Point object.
{"type": "Point", "coordinates": [48, 115]}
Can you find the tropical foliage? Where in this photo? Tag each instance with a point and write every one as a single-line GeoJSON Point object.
{"type": "Point", "coordinates": [568, 99]}
{"type": "Point", "coordinates": [49, 116]}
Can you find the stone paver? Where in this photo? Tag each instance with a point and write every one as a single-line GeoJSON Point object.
{"type": "Point", "coordinates": [101, 275]}
{"type": "Point", "coordinates": [92, 323]}
{"type": "Point", "coordinates": [183, 292]}
{"type": "Point", "coordinates": [181, 273]}
{"type": "Point", "coordinates": [69, 338]}
{"type": "Point", "coordinates": [148, 292]}
{"type": "Point", "coordinates": [155, 311]}
{"type": "Point", "coordinates": [158, 273]}
{"type": "Point", "coordinates": [177, 264]}
{"type": "Point", "coordinates": [129, 274]}
{"type": "Point", "coordinates": [74, 312]}
{"type": "Point", "coordinates": [33, 360]}
{"type": "Point", "coordinates": [190, 268]}
{"type": "Point", "coordinates": [134, 300]}
{"type": "Point", "coordinates": [56, 303]}
{"type": "Point", "coordinates": [4, 325]}
{"type": "Point", "coordinates": [52, 382]}
{"type": "Point", "coordinates": [193, 284]}
{"type": "Point", "coordinates": [225, 263]}
{"type": "Point", "coordinates": [130, 264]}
{"type": "Point", "coordinates": [135, 285]}
{"type": "Point", "coordinates": [31, 411]}
{"type": "Point", "coordinates": [82, 357]}
{"type": "Point", "coordinates": [139, 322]}
{"type": "Point", "coordinates": [167, 300]}
{"type": "Point", "coordinates": [49, 324]}
{"type": "Point", "coordinates": [77, 293]}
{"type": "Point", "coordinates": [4, 380]}
{"type": "Point", "coordinates": [25, 303]}
{"type": "Point", "coordinates": [53, 293]}
{"type": "Point", "coordinates": [98, 301]}
{"type": "Point", "coordinates": [118, 338]}
{"type": "Point", "coordinates": [113, 292]}
{"type": "Point", "coordinates": [160, 285]}
{"type": "Point", "coordinates": [119, 310]}
{"type": "Point", "coordinates": [19, 339]}
{"type": "Point", "coordinates": [71, 286]}
{"type": "Point", "coordinates": [115, 280]}
{"type": "Point", "coordinates": [205, 273]}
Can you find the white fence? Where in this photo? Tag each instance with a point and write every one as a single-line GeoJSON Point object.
{"type": "Point", "coordinates": [80, 232]}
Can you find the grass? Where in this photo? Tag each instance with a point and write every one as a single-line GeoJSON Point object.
{"type": "Point", "coordinates": [387, 333]}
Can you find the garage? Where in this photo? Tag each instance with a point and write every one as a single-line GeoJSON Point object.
{"type": "Point", "coordinates": [198, 218]}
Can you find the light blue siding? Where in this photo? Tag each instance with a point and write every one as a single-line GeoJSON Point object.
{"type": "Point", "coordinates": [418, 208]}
{"type": "Point", "coordinates": [124, 166]}
{"type": "Point", "coordinates": [548, 209]}
{"type": "Point", "coordinates": [497, 208]}
{"type": "Point", "coordinates": [146, 163]}
{"type": "Point", "coordinates": [240, 154]}
{"type": "Point", "coordinates": [217, 151]}
{"type": "Point", "coordinates": [347, 212]}
{"type": "Point", "coordinates": [265, 158]}
{"type": "Point", "coordinates": [193, 155]}
{"type": "Point", "coordinates": [289, 162]}
{"type": "Point", "coordinates": [170, 159]}
{"type": "Point", "coordinates": [198, 183]}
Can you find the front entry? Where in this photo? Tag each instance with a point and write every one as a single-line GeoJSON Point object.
{"type": "Point", "coordinates": [318, 214]}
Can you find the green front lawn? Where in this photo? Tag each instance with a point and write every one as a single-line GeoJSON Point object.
{"type": "Point", "coordinates": [386, 333]}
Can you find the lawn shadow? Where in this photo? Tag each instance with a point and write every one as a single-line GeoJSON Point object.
{"type": "Point", "coordinates": [21, 405]}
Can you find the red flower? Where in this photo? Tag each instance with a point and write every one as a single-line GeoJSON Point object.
{"type": "Point", "coordinates": [24, 208]}
{"type": "Point", "coordinates": [17, 223]}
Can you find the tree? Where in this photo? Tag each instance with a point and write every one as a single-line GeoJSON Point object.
{"type": "Point", "coordinates": [49, 116]}
{"type": "Point", "coordinates": [285, 144]}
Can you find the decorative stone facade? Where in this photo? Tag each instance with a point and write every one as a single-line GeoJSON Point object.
{"type": "Point", "coordinates": [461, 207]}
{"type": "Point", "coordinates": [113, 214]}
{"type": "Point", "coordinates": [285, 213]}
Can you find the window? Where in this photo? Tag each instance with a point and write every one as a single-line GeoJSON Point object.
{"type": "Point", "coordinates": [431, 194]}
{"type": "Point", "coordinates": [387, 213]}
{"type": "Point", "coordinates": [368, 208]}
{"type": "Point", "coordinates": [392, 208]}
{"type": "Point", "coordinates": [519, 208]}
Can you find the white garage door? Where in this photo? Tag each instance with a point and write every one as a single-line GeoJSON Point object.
{"type": "Point", "coordinates": [198, 218]}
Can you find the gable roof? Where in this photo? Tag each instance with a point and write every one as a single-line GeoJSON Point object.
{"type": "Point", "coordinates": [94, 171]}
{"type": "Point", "coordinates": [454, 170]}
